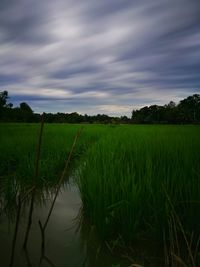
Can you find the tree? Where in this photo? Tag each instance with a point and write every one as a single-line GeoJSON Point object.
{"type": "Point", "coordinates": [3, 100]}
{"type": "Point", "coordinates": [190, 108]}
{"type": "Point", "coordinates": [25, 113]}
{"type": "Point", "coordinates": [25, 107]}
{"type": "Point", "coordinates": [124, 119]}
{"type": "Point", "coordinates": [171, 105]}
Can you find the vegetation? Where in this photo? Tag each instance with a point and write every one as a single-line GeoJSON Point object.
{"type": "Point", "coordinates": [134, 181]}
{"type": "Point", "coordinates": [187, 111]}
{"type": "Point", "coordinates": [24, 113]}
{"type": "Point", "coordinates": [18, 143]}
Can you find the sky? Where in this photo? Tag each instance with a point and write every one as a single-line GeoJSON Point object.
{"type": "Point", "coordinates": [106, 56]}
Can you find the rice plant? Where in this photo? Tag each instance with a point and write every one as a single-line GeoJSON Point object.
{"type": "Point", "coordinates": [130, 179]}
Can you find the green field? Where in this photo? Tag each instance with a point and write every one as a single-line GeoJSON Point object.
{"type": "Point", "coordinates": [136, 182]}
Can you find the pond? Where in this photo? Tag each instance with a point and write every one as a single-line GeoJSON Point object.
{"type": "Point", "coordinates": [68, 241]}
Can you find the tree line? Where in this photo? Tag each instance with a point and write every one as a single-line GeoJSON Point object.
{"type": "Point", "coordinates": [24, 113]}
{"type": "Point", "coordinates": [186, 111]}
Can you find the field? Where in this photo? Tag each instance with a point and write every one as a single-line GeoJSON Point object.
{"type": "Point", "coordinates": [136, 182]}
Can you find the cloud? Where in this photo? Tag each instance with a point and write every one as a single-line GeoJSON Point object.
{"type": "Point", "coordinates": [105, 56]}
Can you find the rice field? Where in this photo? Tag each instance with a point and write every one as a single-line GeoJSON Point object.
{"type": "Point", "coordinates": [136, 182]}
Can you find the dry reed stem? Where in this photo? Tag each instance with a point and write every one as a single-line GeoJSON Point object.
{"type": "Point", "coordinates": [62, 176]}
{"type": "Point", "coordinates": [179, 260]}
{"type": "Point", "coordinates": [43, 227]}
{"type": "Point", "coordinates": [34, 181]}
{"type": "Point", "coordinates": [15, 233]}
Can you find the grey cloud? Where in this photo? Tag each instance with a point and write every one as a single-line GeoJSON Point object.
{"type": "Point", "coordinates": [23, 22]}
{"type": "Point", "coordinates": [9, 79]}
{"type": "Point", "coordinates": [104, 53]}
{"type": "Point", "coordinates": [64, 73]}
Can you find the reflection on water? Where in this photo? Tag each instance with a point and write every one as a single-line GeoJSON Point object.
{"type": "Point", "coordinates": [67, 242]}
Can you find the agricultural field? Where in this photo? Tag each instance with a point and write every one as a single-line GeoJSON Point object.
{"type": "Point", "coordinates": [137, 189]}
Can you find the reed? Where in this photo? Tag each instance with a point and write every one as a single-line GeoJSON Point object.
{"type": "Point", "coordinates": [124, 177]}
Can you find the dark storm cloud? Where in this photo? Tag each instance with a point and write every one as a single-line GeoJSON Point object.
{"type": "Point", "coordinates": [99, 56]}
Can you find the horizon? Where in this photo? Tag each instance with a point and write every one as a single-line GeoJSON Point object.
{"type": "Point", "coordinates": [95, 114]}
{"type": "Point", "coordinates": [99, 58]}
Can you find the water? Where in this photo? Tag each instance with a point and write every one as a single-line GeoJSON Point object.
{"type": "Point", "coordinates": [67, 241]}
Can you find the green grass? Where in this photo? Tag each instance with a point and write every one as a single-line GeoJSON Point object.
{"type": "Point", "coordinates": [131, 177]}
{"type": "Point", "coordinates": [18, 144]}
